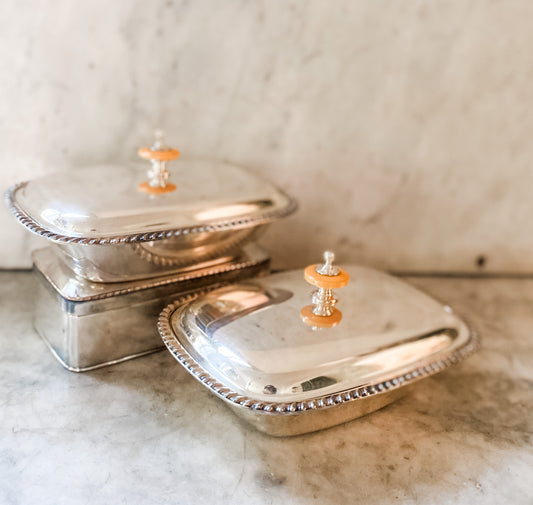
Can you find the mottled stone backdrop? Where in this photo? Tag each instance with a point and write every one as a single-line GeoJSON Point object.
{"type": "Point", "coordinates": [404, 128]}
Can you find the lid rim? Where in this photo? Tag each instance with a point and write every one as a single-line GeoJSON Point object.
{"type": "Point", "coordinates": [360, 392]}
{"type": "Point", "coordinates": [231, 224]}
{"type": "Point", "coordinates": [136, 286]}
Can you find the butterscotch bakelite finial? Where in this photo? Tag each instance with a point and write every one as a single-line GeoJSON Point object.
{"type": "Point", "coordinates": [158, 174]}
{"type": "Point", "coordinates": [327, 277]}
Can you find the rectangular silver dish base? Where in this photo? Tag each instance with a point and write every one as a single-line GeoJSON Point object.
{"type": "Point", "coordinates": [299, 423]}
{"type": "Point", "coordinates": [99, 365]}
{"type": "Point", "coordinates": [88, 325]}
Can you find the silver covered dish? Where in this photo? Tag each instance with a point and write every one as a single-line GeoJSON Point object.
{"type": "Point", "coordinates": [253, 345]}
{"type": "Point", "coordinates": [107, 225]}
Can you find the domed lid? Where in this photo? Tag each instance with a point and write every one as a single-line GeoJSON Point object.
{"type": "Point", "coordinates": [261, 344]}
{"type": "Point", "coordinates": [111, 204]}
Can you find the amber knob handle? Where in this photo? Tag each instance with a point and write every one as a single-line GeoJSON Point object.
{"type": "Point", "coordinates": [158, 175]}
{"type": "Point", "coordinates": [326, 277]}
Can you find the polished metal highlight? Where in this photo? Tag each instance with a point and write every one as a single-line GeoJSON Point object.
{"type": "Point", "coordinates": [245, 342]}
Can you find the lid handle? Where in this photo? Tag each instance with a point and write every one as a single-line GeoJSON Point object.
{"type": "Point", "coordinates": [327, 277]}
{"type": "Point", "coordinates": [158, 175]}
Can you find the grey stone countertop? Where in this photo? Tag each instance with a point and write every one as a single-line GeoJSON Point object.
{"type": "Point", "coordinates": [146, 432]}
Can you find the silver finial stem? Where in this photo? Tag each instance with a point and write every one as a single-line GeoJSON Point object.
{"type": "Point", "coordinates": [158, 173]}
{"type": "Point", "coordinates": [159, 144]}
{"type": "Point", "coordinates": [323, 302]}
{"type": "Point", "coordinates": [328, 268]}
{"type": "Point", "coordinates": [323, 299]}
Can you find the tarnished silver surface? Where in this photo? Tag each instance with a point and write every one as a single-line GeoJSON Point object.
{"type": "Point", "coordinates": [215, 209]}
{"type": "Point", "coordinates": [88, 325]}
{"type": "Point", "coordinates": [246, 343]}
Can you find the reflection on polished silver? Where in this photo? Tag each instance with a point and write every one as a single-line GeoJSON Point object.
{"type": "Point", "coordinates": [215, 210]}
{"type": "Point", "coordinates": [287, 379]}
{"type": "Point", "coordinates": [81, 209]}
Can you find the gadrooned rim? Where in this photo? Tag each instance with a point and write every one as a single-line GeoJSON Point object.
{"type": "Point", "coordinates": [232, 224]}
{"type": "Point", "coordinates": [214, 272]}
{"type": "Point", "coordinates": [431, 367]}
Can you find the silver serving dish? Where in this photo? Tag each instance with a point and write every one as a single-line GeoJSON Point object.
{"type": "Point", "coordinates": [263, 349]}
{"type": "Point", "coordinates": [88, 325]}
{"type": "Point", "coordinates": [107, 225]}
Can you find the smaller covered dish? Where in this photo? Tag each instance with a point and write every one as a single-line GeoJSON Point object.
{"type": "Point", "coordinates": [290, 361]}
{"type": "Point", "coordinates": [113, 223]}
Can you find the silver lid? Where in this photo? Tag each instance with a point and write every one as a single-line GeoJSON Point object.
{"type": "Point", "coordinates": [104, 205]}
{"type": "Point", "coordinates": [249, 344]}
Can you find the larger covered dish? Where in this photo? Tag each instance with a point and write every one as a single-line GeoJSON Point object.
{"type": "Point", "coordinates": [291, 367]}
{"type": "Point", "coordinates": [108, 226]}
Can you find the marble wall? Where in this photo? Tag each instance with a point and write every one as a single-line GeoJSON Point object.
{"type": "Point", "coordinates": [403, 127]}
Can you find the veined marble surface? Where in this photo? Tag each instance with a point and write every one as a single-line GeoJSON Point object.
{"type": "Point", "coordinates": [403, 127]}
{"type": "Point", "coordinates": [146, 432]}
